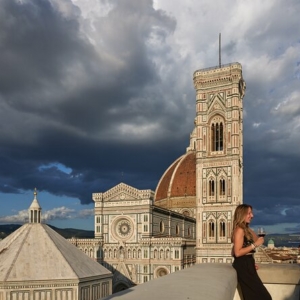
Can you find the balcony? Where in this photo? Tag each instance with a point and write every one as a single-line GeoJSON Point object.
{"type": "Point", "coordinates": [215, 282]}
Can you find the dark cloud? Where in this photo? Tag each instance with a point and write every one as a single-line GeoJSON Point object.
{"type": "Point", "coordinates": [93, 109]}
{"type": "Point", "coordinates": [104, 89]}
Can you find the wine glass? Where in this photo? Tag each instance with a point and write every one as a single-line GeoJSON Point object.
{"type": "Point", "coordinates": [261, 232]}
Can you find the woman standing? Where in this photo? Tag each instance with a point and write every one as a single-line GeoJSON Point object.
{"type": "Point", "coordinates": [244, 243]}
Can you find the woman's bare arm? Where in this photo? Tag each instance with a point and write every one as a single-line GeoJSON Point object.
{"type": "Point", "coordinates": [238, 240]}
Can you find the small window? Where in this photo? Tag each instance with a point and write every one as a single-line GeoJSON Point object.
{"type": "Point", "coordinates": [177, 229]}
{"type": "Point", "coordinates": [161, 227]}
{"type": "Point", "coordinates": [211, 188]}
{"type": "Point", "coordinates": [222, 187]}
{"type": "Point", "coordinates": [211, 229]}
{"type": "Point", "coordinates": [222, 229]}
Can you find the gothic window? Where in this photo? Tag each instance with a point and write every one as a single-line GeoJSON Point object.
{"type": "Point", "coordinates": [222, 187]}
{"type": "Point", "coordinates": [167, 253]}
{"type": "Point", "coordinates": [145, 253]}
{"type": "Point", "coordinates": [211, 229]}
{"type": "Point", "coordinates": [155, 253]}
{"type": "Point", "coordinates": [217, 136]}
{"type": "Point", "coordinates": [176, 253]}
{"type": "Point", "coordinates": [211, 187]}
{"type": "Point", "coordinates": [161, 253]}
{"type": "Point", "coordinates": [222, 228]}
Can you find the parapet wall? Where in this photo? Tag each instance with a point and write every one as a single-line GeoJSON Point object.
{"type": "Point", "coordinates": [215, 282]}
{"type": "Point", "coordinates": [201, 282]}
{"type": "Point", "coordinates": [281, 280]}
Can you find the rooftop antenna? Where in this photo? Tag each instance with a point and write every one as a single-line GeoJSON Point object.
{"type": "Point", "coordinates": [219, 50]}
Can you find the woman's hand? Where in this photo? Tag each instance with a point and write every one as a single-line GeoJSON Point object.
{"type": "Point", "coordinates": [259, 241]}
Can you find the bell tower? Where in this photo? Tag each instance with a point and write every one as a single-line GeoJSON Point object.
{"type": "Point", "coordinates": [219, 158]}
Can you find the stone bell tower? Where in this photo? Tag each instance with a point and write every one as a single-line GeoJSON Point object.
{"type": "Point", "coordinates": [219, 158]}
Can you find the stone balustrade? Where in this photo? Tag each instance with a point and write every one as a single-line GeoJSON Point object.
{"type": "Point", "coordinates": [215, 282]}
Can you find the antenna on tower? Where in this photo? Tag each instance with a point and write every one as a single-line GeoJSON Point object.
{"type": "Point", "coordinates": [219, 50]}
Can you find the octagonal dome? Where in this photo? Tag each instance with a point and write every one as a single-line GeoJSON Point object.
{"type": "Point", "coordinates": [176, 189]}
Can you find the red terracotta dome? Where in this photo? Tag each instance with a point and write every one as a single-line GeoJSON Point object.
{"type": "Point", "coordinates": [176, 189]}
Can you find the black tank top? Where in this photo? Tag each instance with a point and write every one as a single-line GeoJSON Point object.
{"type": "Point", "coordinates": [248, 243]}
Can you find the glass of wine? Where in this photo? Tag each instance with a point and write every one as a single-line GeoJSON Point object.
{"type": "Point", "coordinates": [261, 232]}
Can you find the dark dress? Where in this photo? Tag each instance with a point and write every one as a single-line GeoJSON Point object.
{"type": "Point", "coordinates": [250, 283]}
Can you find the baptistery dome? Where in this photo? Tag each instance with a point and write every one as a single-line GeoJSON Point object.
{"type": "Point", "coordinates": [176, 189]}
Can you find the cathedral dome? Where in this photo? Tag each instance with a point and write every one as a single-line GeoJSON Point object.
{"type": "Point", "coordinates": [176, 189]}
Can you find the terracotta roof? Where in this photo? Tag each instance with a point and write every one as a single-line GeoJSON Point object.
{"type": "Point", "coordinates": [179, 180]}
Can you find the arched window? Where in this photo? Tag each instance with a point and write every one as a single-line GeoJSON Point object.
{"type": "Point", "coordinates": [222, 187]}
{"type": "Point", "coordinates": [167, 253]}
{"type": "Point", "coordinates": [222, 228]}
{"type": "Point", "coordinates": [217, 136]}
{"type": "Point", "coordinates": [211, 229]}
{"type": "Point", "coordinates": [211, 188]}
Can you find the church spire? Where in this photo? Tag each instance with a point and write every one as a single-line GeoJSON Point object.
{"type": "Point", "coordinates": [35, 210]}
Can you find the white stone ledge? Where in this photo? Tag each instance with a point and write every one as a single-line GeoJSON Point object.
{"type": "Point", "coordinates": [201, 282]}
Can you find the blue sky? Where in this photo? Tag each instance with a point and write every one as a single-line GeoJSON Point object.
{"type": "Point", "coordinates": [95, 92]}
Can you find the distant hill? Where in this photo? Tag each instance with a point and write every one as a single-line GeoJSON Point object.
{"type": "Point", "coordinates": [280, 240]}
{"type": "Point", "coordinates": [67, 233]}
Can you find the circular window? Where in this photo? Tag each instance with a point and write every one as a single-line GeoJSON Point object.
{"type": "Point", "coordinates": [186, 213]}
{"type": "Point", "coordinates": [161, 271]}
{"type": "Point", "coordinates": [122, 228]}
